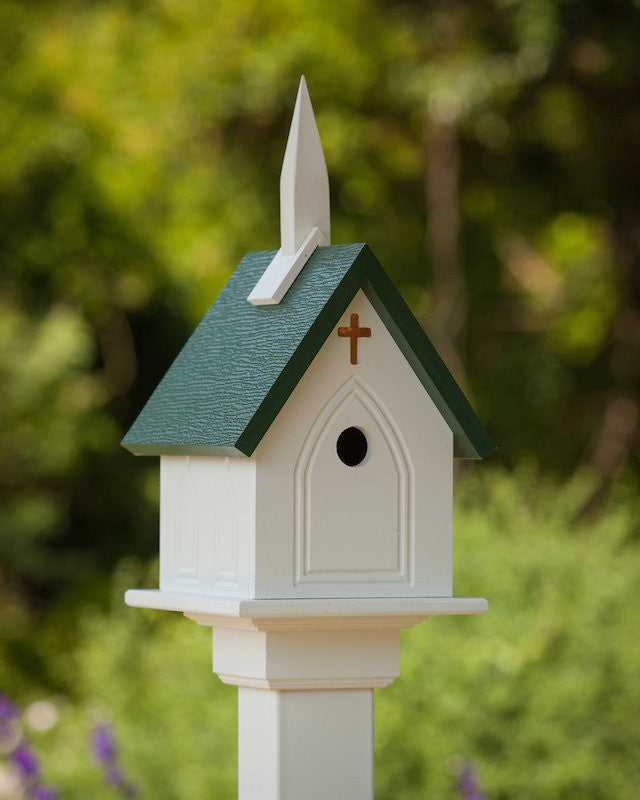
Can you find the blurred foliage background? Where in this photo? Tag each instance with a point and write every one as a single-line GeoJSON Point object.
{"type": "Point", "coordinates": [488, 152]}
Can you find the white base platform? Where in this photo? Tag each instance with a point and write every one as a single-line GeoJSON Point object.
{"type": "Point", "coordinates": [360, 612]}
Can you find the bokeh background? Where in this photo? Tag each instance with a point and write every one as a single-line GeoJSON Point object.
{"type": "Point", "coordinates": [489, 152]}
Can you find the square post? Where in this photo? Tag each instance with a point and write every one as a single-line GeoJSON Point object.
{"type": "Point", "coordinates": [305, 744]}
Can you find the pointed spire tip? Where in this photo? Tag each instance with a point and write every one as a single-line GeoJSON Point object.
{"type": "Point", "coordinates": [304, 182]}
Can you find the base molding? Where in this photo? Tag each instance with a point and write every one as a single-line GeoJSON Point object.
{"type": "Point", "coordinates": [307, 659]}
{"type": "Point", "coordinates": [306, 685]}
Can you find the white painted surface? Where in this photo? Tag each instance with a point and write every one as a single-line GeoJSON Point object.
{"type": "Point", "coordinates": [304, 204]}
{"type": "Point", "coordinates": [307, 659]}
{"type": "Point", "coordinates": [367, 534]}
{"type": "Point", "coordinates": [304, 180]}
{"type": "Point", "coordinates": [382, 529]}
{"type": "Point", "coordinates": [302, 612]}
{"type": "Point", "coordinates": [305, 745]}
{"type": "Point", "coordinates": [283, 270]}
{"type": "Point", "coordinates": [207, 525]}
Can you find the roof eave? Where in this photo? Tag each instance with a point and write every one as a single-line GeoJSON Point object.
{"type": "Point", "coordinates": [183, 450]}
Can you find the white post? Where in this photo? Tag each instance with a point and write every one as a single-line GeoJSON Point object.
{"type": "Point", "coordinates": [311, 745]}
{"type": "Point", "coordinates": [305, 699]}
{"type": "Point", "coordinates": [305, 671]}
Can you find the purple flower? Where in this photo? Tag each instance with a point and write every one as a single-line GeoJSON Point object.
{"type": "Point", "coordinates": [104, 750]}
{"type": "Point", "coordinates": [469, 785]}
{"type": "Point", "coordinates": [7, 709]}
{"type": "Point", "coordinates": [42, 793]}
{"type": "Point", "coordinates": [114, 776]}
{"type": "Point", "coordinates": [8, 713]}
{"type": "Point", "coordinates": [25, 760]}
{"type": "Point", "coordinates": [103, 746]}
{"type": "Point", "coordinates": [23, 757]}
{"type": "Point", "coordinates": [467, 782]}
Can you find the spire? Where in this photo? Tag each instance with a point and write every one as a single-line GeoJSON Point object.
{"type": "Point", "coordinates": [304, 182]}
{"type": "Point", "coordinates": [304, 204]}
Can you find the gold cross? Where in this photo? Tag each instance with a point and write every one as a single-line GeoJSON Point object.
{"type": "Point", "coordinates": [354, 332]}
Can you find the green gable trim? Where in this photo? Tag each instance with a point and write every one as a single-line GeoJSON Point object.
{"type": "Point", "coordinates": [242, 362]}
{"type": "Point", "coordinates": [471, 439]}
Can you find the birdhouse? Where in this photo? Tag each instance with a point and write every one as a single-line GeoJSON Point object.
{"type": "Point", "coordinates": [307, 429]}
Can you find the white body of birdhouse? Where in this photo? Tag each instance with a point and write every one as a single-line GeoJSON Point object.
{"type": "Point", "coordinates": [295, 520]}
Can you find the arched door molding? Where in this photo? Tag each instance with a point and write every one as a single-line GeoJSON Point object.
{"type": "Point", "coordinates": [388, 555]}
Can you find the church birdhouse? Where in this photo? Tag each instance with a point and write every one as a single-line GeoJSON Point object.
{"type": "Point", "coordinates": [306, 435]}
{"type": "Point", "coordinates": [308, 427]}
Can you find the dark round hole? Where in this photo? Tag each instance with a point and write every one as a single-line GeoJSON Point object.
{"type": "Point", "coordinates": [351, 447]}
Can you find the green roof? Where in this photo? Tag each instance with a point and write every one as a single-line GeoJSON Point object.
{"type": "Point", "coordinates": [234, 374]}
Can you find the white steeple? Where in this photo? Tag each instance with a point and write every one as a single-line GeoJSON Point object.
{"type": "Point", "coordinates": [304, 204]}
{"type": "Point", "coordinates": [304, 182]}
